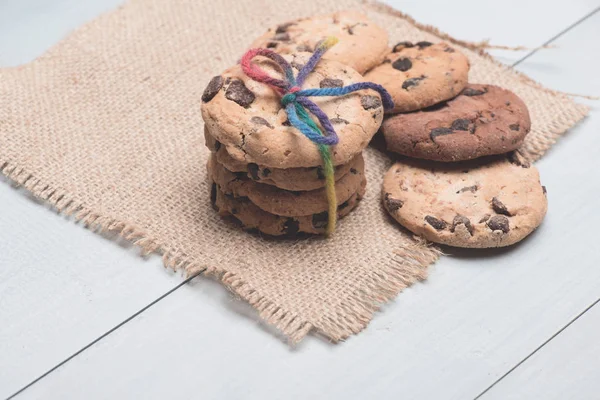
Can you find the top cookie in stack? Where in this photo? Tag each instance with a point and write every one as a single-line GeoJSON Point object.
{"type": "Point", "coordinates": [265, 172]}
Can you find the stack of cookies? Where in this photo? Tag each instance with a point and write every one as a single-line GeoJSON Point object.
{"type": "Point", "coordinates": [265, 172]}
{"type": "Point", "coordinates": [460, 181]}
{"type": "Point", "coordinates": [474, 190]}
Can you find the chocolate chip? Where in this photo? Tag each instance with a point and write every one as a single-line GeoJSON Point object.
{"type": "Point", "coordinates": [498, 223]}
{"type": "Point", "coordinates": [392, 204]}
{"type": "Point", "coordinates": [319, 220]}
{"type": "Point", "coordinates": [212, 88]}
{"type": "Point", "coordinates": [283, 27]}
{"type": "Point", "coordinates": [344, 205]}
{"type": "Point", "coordinates": [213, 194]}
{"type": "Point", "coordinates": [402, 45]}
{"type": "Point", "coordinates": [369, 102]}
{"type": "Point", "coordinates": [461, 220]}
{"type": "Point", "coordinates": [515, 158]}
{"type": "Point", "coordinates": [281, 37]}
{"type": "Point", "coordinates": [484, 218]}
{"type": "Point", "coordinates": [253, 170]}
{"type": "Point", "coordinates": [291, 226]}
{"type": "Point", "coordinates": [329, 83]}
{"type": "Point", "coordinates": [499, 207]}
{"type": "Point", "coordinates": [473, 92]}
{"type": "Point", "coordinates": [438, 224]}
{"type": "Point", "coordinates": [260, 121]}
{"type": "Point", "coordinates": [544, 190]}
{"type": "Point", "coordinates": [304, 47]}
{"type": "Point", "coordinates": [423, 44]}
{"type": "Point", "coordinates": [440, 132]}
{"type": "Point", "coordinates": [353, 171]}
{"type": "Point", "coordinates": [402, 64]}
{"type": "Point", "coordinates": [240, 176]}
{"type": "Point", "coordinates": [449, 50]}
{"type": "Point", "coordinates": [320, 174]}
{"type": "Point", "coordinates": [514, 127]}
{"type": "Point", "coordinates": [217, 145]}
{"type": "Point", "coordinates": [266, 172]}
{"type": "Point", "coordinates": [412, 82]}
{"type": "Point", "coordinates": [238, 92]}
{"type": "Point", "coordinates": [507, 103]}
{"type": "Point", "coordinates": [471, 189]}
{"type": "Point", "coordinates": [339, 121]}
{"type": "Point", "coordinates": [461, 125]}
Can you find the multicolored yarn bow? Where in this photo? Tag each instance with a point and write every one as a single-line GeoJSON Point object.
{"type": "Point", "coordinates": [297, 105]}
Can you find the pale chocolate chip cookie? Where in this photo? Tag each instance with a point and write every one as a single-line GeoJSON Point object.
{"type": "Point", "coordinates": [362, 44]}
{"type": "Point", "coordinates": [295, 179]}
{"type": "Point", "coordinates": [284, 202]}
{"type": "Point", "coordinates": [482, 120]}
{"type": "Point", "coordinates": [422, 74]}
{"type": "Point", "coordinates": [481, 203]}
{"type": "Point", "coordinates": [253, 217]}
{"type": "Point", "coordinates": [248, 119]}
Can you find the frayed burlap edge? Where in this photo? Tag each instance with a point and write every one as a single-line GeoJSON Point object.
{"type": "Point", "coordinates": [349, 320]}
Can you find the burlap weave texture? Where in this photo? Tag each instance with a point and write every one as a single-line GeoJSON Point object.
{"type": "Point", "coordinates": [106, 127]}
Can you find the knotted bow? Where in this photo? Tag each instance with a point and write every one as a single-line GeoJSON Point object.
{"type": "Point", "coordinates": [297, 105]}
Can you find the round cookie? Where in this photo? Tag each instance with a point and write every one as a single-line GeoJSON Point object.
{"type": "Point", "coordinates": [421, 75]}
{"type": "Point", "coordinates": [482, 120]}
{"type": "Point", "coordinates": [247, 118]}
{"type": "Point", "coordinates": [362, 44]}
{"type": "Point", "coordinates": [295, 179]}
{"type": "Point", "coordinates": [284, 202]}
{"type": "Point", "coordinates": [252, 217]}
{"type": "Point", "coordinates": [481, 203]}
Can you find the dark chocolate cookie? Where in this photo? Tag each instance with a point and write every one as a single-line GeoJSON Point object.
{"type": "Point", "coordinates": [482, 120]}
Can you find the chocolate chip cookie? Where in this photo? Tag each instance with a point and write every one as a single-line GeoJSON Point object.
{"type": "Point", "coordinates": [253, 217]}
{"type": "Point", "coordinates": [422, 74]}
{"type": "Point", "coordinates": [482, 120]}
{"type": "Point", "coordinates": [248, 119]}
{"type": "Point", "coordinates": [284, 202]}
{"type": "Point", "coordinates": [362, 44]}
{"type": "Point", "coordinates": [481, 203]}
{"type": "Point", "coordinates": [295, 179]}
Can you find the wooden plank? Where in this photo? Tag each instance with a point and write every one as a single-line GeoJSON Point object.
{"type": "Point", "coordinates": [527, 23]}
{"type": "Point", "coordinates": [566, 368]}
{"type": "Point", "coordinates": [479, 314]}
{"type": "Point", "coordinates": [73, 286]}
{"type": "Point", "coordinates": [54, 297]}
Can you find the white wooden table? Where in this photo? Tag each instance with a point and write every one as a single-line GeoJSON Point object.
{"type": "Point", "coordinates": [83, 317]}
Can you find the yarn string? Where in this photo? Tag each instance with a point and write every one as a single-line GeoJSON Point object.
{"type": "Point", "coordinates": [297, 106]}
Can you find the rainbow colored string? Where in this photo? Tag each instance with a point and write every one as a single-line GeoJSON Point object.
{"type": "Point", "coordinates": [298, 105]}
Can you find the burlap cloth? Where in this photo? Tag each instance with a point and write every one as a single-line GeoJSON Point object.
{"type": "Point", "coordinates": [106, 127]}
